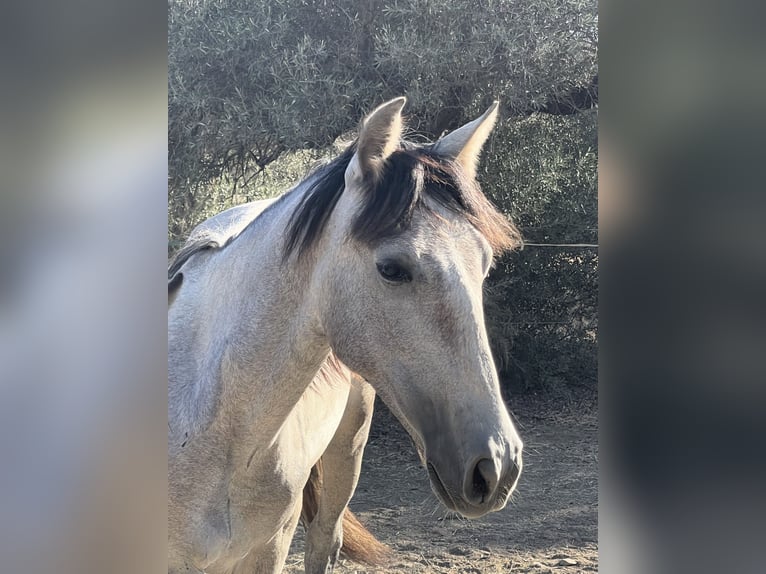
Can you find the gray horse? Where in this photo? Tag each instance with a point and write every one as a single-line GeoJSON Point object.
{"type": "Point", "coordinates": [380, 257]}
{"type": "Point", "coordinates": [334, 383]}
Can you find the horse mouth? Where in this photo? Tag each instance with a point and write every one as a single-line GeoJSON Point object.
{"type": "Point", "coordinates": [438, 486]}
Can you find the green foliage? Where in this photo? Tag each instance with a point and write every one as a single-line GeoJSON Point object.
{"type": "Point", "coordinates": [186, 210]}
{"type": "Point", "coordinates": [249, 79]}
{"type": "Point", "coordinates": [542, 171]}
{"type": "Point", "coordinates": [542, 302]}
{"type": "Point", "coordinates": [258, 91]}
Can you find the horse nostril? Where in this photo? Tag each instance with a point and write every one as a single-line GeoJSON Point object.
{"type": "Point", "coordinates": [485, 480]}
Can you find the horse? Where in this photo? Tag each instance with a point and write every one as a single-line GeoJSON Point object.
{"type": "Point", "coordinates": [372, 264]}
{"type": "Point", "coordinates": [334, 383]}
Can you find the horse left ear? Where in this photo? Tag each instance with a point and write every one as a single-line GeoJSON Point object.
{"type": "Point", "coordinates": [378, 138]}
{"type": "Point", "coordinates": [465, 143]}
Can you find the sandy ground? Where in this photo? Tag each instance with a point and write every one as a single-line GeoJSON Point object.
{"type": "Point", "coordinates": [549, 527]}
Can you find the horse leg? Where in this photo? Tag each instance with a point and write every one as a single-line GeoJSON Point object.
{"type": "Point", "coordinates": [340, 466]}
{"type": "Point", "coordinates": [270, 559]}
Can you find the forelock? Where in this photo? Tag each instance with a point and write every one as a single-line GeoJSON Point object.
{"type": "Point", "coordinates": [411, 176]}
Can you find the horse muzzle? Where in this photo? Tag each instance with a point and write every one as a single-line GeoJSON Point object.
{"type": "Point", "coordinates": [482, 486]}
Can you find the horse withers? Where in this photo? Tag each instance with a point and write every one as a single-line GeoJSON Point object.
{"type": "Point", "coordinates": [379, 257]}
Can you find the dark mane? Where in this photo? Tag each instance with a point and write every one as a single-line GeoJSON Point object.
{"type": "Point", "coordinates": [308, 221]}
{"type": "Point", "coordinates": [191, 247]}
{"type": "Point", "coordinates": [182, 256]}
{"type": "Point", "coordinates": [410, 175]}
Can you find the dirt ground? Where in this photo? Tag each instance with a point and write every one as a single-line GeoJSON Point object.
{"type": "Point", "coordinates": [550, 526]}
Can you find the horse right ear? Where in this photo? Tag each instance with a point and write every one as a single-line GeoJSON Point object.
{"type": "Point", "coordinates": [465, 143]}
{"type": "Point", "coordinates": [379, 137]}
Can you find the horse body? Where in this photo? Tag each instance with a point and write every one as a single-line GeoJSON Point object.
{"type": "Point", "coordinates": [242, 505]}
{"type": "Point", "coordinates": [236, 528]}
{"type": "Point", "coordinates": [381, 258]}
{"type": "Point", "coordinates": [242, 345]}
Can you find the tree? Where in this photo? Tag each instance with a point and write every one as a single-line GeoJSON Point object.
{"type": "Point", "coordinates": [251, 79]}
{"type": "Point", "coordinates": [258, 89]}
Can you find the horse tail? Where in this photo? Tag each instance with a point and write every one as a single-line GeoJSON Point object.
{"type": "Point", "coordinates": [311, 494]}
{"type": "Point", "coordinates": [359, 544]}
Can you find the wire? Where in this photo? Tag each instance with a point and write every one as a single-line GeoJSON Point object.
{"type": "Point", "coordinates": [586, 245]}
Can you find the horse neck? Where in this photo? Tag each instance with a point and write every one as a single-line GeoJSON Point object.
{"type": "Point", "coordinates": [262, 323]}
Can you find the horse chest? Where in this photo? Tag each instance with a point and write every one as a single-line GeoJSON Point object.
{"type": "Point", "coordinates": [263, 496]}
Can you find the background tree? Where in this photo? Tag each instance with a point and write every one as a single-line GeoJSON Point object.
{"type": "Point", "coordinates": [259, 90]}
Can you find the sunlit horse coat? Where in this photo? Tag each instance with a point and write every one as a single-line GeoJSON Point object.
{"type": "Point", "coordinates": [380, 257]}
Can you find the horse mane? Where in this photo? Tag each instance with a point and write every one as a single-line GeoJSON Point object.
{"type": "Point", "coordinates": [411, 174]}
{"type": "Point", "coordinates": [191, 247]}
{"type": "Point", "coordinates": [214, 233]}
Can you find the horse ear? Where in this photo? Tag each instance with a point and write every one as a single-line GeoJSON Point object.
{"type": "Point", "coordinates": [465, 143]}
{"type": "Point", "coordinates": [378, 138]}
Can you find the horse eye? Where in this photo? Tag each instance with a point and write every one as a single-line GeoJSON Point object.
{"type": "Point", "coordinates": [391, 271]}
